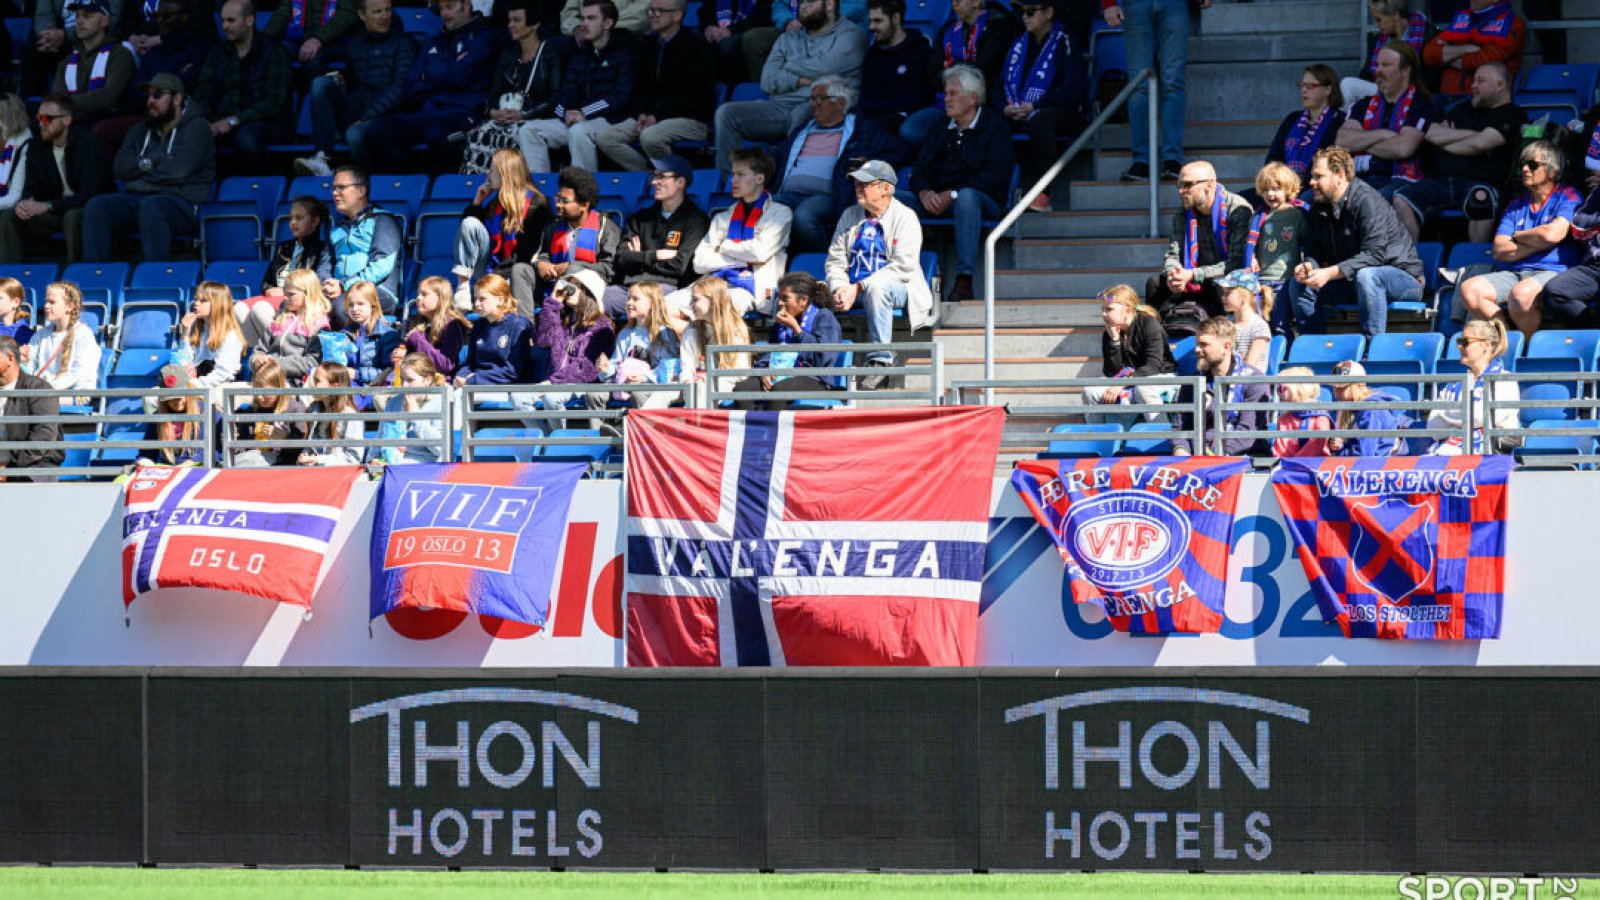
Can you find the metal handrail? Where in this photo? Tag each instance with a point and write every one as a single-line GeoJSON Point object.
{"type": "Point", "coordinates": [1493, 404]}
{"type": "Point", "coordinates": [200, 442]}
{"type": "Point", "coordinates": [611, 421]}
{"type": "Point", "coordinates": [1221, 406]}
{"type": "Point", "coordinates": [933, 369]}
{"type": "Point", "coordinates": [1192, 408]}
{"type": "Point", "coordinates": [992, 242]}
{"type": "Point", "coordinates": [232, 416]}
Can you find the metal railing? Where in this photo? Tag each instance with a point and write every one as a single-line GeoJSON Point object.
{"type": "Point", "coordinates": [103, 430]}
{"type": "Point", "coordinates": [992, 242]}
{"type": "Point", "coordinates": [1019, 436]}
{"type": "Point", "coordinates": [233, 417]}
{"type": "Point", "coordinates": [1222, 406]}
{"type": "Point", "coordinates": [1585, 396]}
{"type": "Point", "coordinates": [851, 393]}
{"type": "Point", "coordinates": [498, 418]}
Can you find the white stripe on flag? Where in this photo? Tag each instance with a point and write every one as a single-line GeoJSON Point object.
{"type": "Point", "coordinates": [975, 532]}
{"type": "Point", "coordinates": [769, 625]}
{"type": "Point", "coordinates": [938, 588]}
{"type": "Point", "coordinates": [235, 534]}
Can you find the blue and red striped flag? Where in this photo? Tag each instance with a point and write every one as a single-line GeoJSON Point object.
{"type": "Point", "coordinates": [852, 537]}
{"type": "Point", "coordinates": [1401, 547]}
{"type": "Point", "coordinates": [1145, 538]}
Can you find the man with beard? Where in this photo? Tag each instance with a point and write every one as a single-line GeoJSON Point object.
{"type": "Point", "coordinates": [894, 82]}
{"type": "Point", "coordinates": [1213, 352]}
{"type": "Point", "coordinates": [824, 45]}
{"type": "Point", "coordinates": [182, 48]}
{"type": "Point", "coordinates": [1353, 249]}
{"type": "Point", "coordinates": [1384, 132]}
{"type": "Point", "coordinates": [98, 72]}
{"type": "Point", "coordinates": [1208, 238]}
{"type": "Point", "coordinates": [578, 237]}
{"type": "Point", "coordinates": [167, 164]}
{"type": "Point", "coordinates": [64, 169]}
{"type": "Point", "coordinates": [1472, 151]}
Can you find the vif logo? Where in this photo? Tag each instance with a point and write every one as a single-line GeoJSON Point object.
{"type": "Point", "coordinates": [495, 761]}
{"type": "Point", "coordinates": [1105, 756]}
{"type": "Point", "coordinates": [1126, 539]}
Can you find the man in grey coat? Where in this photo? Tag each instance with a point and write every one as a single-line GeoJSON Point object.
{"type": "Point", "coordinates": [825, 44]}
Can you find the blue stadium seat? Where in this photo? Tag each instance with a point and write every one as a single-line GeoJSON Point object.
{"type": "Point", "coordinates": [718, 201]}
{"type": "Point", "coordinates": [248, 272]}
{"type": "Point", "coordinates": [747, 90]}
{"type": "Point", "coordinates": [1147, 446]}
{"type": "Point", "coordinates": [1467, 253]}
{"type": "Point", "coordinates": [623, 190]}
{"type": "Point", "coordinates": [810, 263]}
{"type": "Point", "coordinates": [1431, 253]}
{"type": "Point", "coordinates": [96, 313]}
{"type": "Point", "coordinates": [1545, 390]}
{"type": "Point", "coordinates": [102, 282]}
{"type": "Point", "coordinates": [1320, 352]}
{"type": "Point", "coordinates": [300, 140]}
{"type": "Point", "coordinates": [1536, 445]}
{"type": "Point", "coordinates": [147, 324]}
{"type": "Point", "coordinates": [318, 186]}
{"type": "Point", "coordinates": [1561, 345]}
{"type": "Point", "coordinates": [1396, 352]}
{"type": "Point", "coordinates": [78, 457]}
{"type": "Point", "coordinates": [35, 277]}
{"type": "Point", "coordinates": [1565, 89]}
{"type": "Point", "coordinates": [419, 21]}
{"type": "Point", "coordinates": [180, 276]}
{"type": "Point", "coordinates": [926, 12]}
{"type": "Point", "coordinates": [19, 28]}
{"type": "Point", "coordinates": [1108, 55]}
{"type": "Point", "coordinates": [434, 234]}
{"type": "Point", "coordinates": [399, 194]}
{"type": "Point", "coordinates": [507, 452]}
{"type": "Point", "coordinates": [454, 186]}
{"type": "Point", "coordinates": [546, 183]}
{"type": "Point", "coordinates": [1084, 445]}
{"type": "Point", "coordinates": [137, 367]}
{"type": "Point", "coordinates": [231, 230]}
{"type": "Point", "coordinates": [1183, 353]}
{"type": "Point", "coordinates": [706, 182]}
{"type": "Point", "coordinates": [588, 453]}
{"type": "Point", "coordinates": [1278, 346]}
{"type": "Point", "coordinates": [428, 268]}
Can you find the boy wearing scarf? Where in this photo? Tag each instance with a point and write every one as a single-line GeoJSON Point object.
{"type": "Point", "coordinates": [1209, 232]}
{"type": "Point", "coordinates": [746, 246]}
{"type": "Point", "coordinates": [1486, 31]}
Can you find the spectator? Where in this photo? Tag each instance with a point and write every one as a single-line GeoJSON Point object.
{"type": "Point", "coordinates": [175, 377]}
{"type": "Point", "coordinates": [894, 81]}
{"type": "Point", "coordinates": [1384, 131]}
{"type": "Point", "coordinates": [1250, 305]}
{"type": "Point", "coordinates": [632, 16]}
{"type": "Point", "coordinates": [575, 330]}
{"type": "Point", "coordinates": [1045, 86]}
{"type": "Point", "coordinates": [1157, 37]}
{"type": "Point", "coordinates": [1531, 247]}
{"type": "Point", "coordinates": [501, 345]}
{"type": "Point", "coordinates": [1282, 222]}
{"type": "Point", "coordinates": [1366, 419]}
{"type": "Point", "coordinates": [244, 87]}
{"type": "Point", "coordinates": [26, 418]}
{"type": "Point", "coordinates": [578, 237]}
{"type": "Point", "coordinates": [445, 89]}
{"type": "Point", "coordinates": [290, 339]}
{"type": "Point", "coordinates": [305, 247]}
{"type": "Point", "coordinates": [98, 71]}
{"type": "Point", "coordinates": [1209, 233]}
{"type": "Point", "coordinates": [746, 246]}
{"type": "Point", "coordinates": [963, 170]}
{"type": "Point", "coordinates": [662, 239]}
{"type": "Point", "coordinates": [786, 14]}
{"type": "Point", "coordinates": [14, 314]}
{"type": "Point", "coordinates": [371, 339]}
{"type": "Point", "coordinates": [713, 321]}
{"type": "Point", "coordinates": [179, 46]}
{"type": "Point", "coordinates": [1570, 297]}
{"type": "Point", "coordinates": [876, 261]}
{"type": "Point", "coordinates": [818, 159]}
{"type": "Point", "coordinates": [54, 37]}
{"type": "Point", "coordinates": [500, 228]}
{"type": "Point", "coordinates": [674, 95]}
{"type": "Point", "coordinates": [823, 45]}
{"type": "Point", "coordinates": [1133, 346]}
{"type": "Point", "coordinates": [66, 168]}
{"type": "Point", "coordinates": [366, 242]}
{"type": "Point", "coordinates": [803, 319]}
{"type": "Point", "coordinates": [269, 410]}
{"type": "Point", "coordinates": [648, 350]}
{"type": "Point", "coordinates": [527, 86]}
{"type": "Point", "coordinates": [313, 27]}
{"type": "Point", "coordinates": [1393, 21]}
{"type": "Point", "coordinates": [1354, 249]}
{"type": "Point", "coordinates": [742, 32]}
{"type": "Point", "coordinates": [1480, 343]}
{"type": "Point", "coordinates": [64, 352]}
{"type": "Point", "coordinates": [1312, 127]}
{"type": "Point", "coordinates": [210, 338]}
{"type": "Point", "coordinates": [1486, 31]}
{"type": "Point", "coordinates": [436, 329]}
{"type": "Point", "coordinates": [1472, 150]}
{"type": "Point", "coordinates": [167, 165]}
{"type": "Point", "coordinates": [369, 87]}
{"type": "Point", "coordinates": [977, 34]}
{"type": "Point", "coordinates": [333, 375]}
{"type": "Point", "coordinates": [596, 92]}
{"type": "Point", "coordinates": [1213, 350]}
{"type": "Point", "coordinates": [416, 370]}
{"type": "Point", "coordinates": [1301, 419]}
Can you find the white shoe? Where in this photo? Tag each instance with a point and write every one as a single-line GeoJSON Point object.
{"type": "Point", "coordinates": [463, 297]}
{"type": "Point", "coordinates": [313, 165]}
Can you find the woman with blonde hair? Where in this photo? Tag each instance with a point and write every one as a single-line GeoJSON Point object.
{"type": "Point", "coordinates": [291, 338]}
{"type": "Point", "coordinates": [65, 352]}
{"type": "Point", "coordinates": [1371, 419]}
{"type": "Point", "coordinates": [266, 373]}
{"type": "Point", "coordinates": [415, 370]}
{"type": "Point", "coordinates": [1133, 346]}
{"type": "Point", "coordinates": [15, 140]}
{"type": "Point", "coordinates": [502, 224]}
{"type": "Point", "coordinates": [1301, 419]}
{"type": "Point", "coordinates": [212, 335]}
{"type": "Point", "coordinates": [436, 328]}
{"type": "Point", "coordinates": [713, 320]}
{"type": "Point", "coordinates": [1480, 344]}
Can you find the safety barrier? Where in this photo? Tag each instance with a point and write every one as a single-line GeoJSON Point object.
{"type": "Point", "coordinates": [104, 420]}
{"type": "Point", "coordinates": [1223, 405]}
{"type": "Point", "coordinates": [846, 377]}
{"type": "Point", "coordinates": [232, 417]}
{"type": "Point", "coordinates": [1031, 427]}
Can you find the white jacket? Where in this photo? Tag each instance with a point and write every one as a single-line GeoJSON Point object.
{"type": "Point", "coordinates": [1504, 417]}
{"type": "Point", "coordinates": [902, 231]}
{"type": "Point", "coordinates": [82, 371]}
{"type": "Point", "coordinates": [765, 254]}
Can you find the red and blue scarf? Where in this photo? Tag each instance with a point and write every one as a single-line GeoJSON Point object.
{"type": "Point", "coordinates": [1304, 140]}
{"type": "Point", "coordinates": [1030, 86]}
{"type": "Point", "coordinates": [7, 168]}
{"type": "Point", "coordinates": [297, 17]}
{"type": "Point", "coordinates": [1495, 19]}
{"type": "Point", "coordinates": [501, 244]}
{"type": "Point", "coordinates": [1593, 153]}
{"type": "Point", "coordinates": [732, 11]}
{"type": "Point", "coordinates": [959, 49]}
{"type": "Point", "coordinates": [742, 222]}
{"type": "Point", "coordinates": [1219, 231]}
{"type": "Point", "coordinates": [582, 246]}
{"type": "Point", "coordinates": [1255, 230]}
{"type": "Point", "coordinates": [97, 71]}
{"type": "Point", "coordinates": [1416, 35]}
{"type": "Point", "coordinates": [1380, 114]}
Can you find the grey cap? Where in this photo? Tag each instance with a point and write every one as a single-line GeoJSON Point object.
{"type": "Point", "coordinates": [166, 81]}
{"type": "Point", "coordinates": [875, 170]}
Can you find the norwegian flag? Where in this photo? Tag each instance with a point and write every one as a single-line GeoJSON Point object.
{"type": "Point", "coordinates": [251, 532]}
{"type": "Point", "coordinates": [852, 537]}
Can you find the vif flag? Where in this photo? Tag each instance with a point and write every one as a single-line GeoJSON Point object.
{"type": "Point", "coordinates": [475, 537]}
{"type": "Point", "coordinates": [262, 533]}
{"type": "Point", "coordinates": [852, 537]}
{"type": "Point", "coordinates": [1401, 547]}
{"type": "Point", "coordinates": [1146, 538]}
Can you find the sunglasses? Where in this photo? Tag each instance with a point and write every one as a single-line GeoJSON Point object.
{"type": "Point", "coordinates": [1465, 342]}
{"type": "Point", "coordinates": [44, 119]}
{"type": "Point", "coordinates": [1343, 368]}
{"type": "Point", "coordinates": [1532, 165]}
{"type": "Point", "coordinates": [1030, 10]}
{"type": "Point", "coordinates": [1185, 185]}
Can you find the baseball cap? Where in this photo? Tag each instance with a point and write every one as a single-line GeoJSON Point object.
{"type": "Point", "coordinates": [166, 81]}
{"type": "Point", "coordinates": [875, 170]}
{"type": "Point", "coordinates": [1349, 367]}
{"type": "Point", "coordinates": [674, 165]}
{"type": "Point", "coordinates": [100, 6]}
{"type": "Point", "coordinates": [592, 282]}
{"type": "Point", "coordinates": [176, 376]}
{"type": "Point", "coordinates": [1241, 278]}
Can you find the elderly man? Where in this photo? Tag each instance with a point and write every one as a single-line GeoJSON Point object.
{"type": "Point", "coordinates": [20, 417]}
{"type": "Point", "coordinates": [1384, 131]}
{"type": "Point", "coordinates": [675, 93]}
{"type": "Point", "coordinates": [963, 170]}
{"type": "Point", "coordinates": [1214, 357]}
{"type": "Point", "coordinates": [876, 261]}
{"type": "Point", "coordinates": [817, 160]}
{"type": "Point", "coordinates": [978, 34]}
{"type": "Point", "coordinates": [824, 44]}
{"type": "Point", "coordinates": [596, 91]}
{"type": "Point", "coordinates": [366, 242]}
{"type": "Point", "coordinates": [167, 165]}
{"type": "Point", "coordinates": [1486, 31]}
{"type": "Point", "coordinates": [1209, 234]}
{"type": "Point", "coordinates": [1472, 145]}
{"type": "Point", "coordinates": [1353, 248]}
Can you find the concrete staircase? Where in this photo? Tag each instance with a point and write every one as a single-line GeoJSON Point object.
{"type": "Point", "coordinates": [1244, 66]}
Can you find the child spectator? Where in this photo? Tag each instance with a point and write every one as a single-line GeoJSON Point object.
{"type": "Point", "coordinates": [334, 375]}
{"type": "Point", "coordinates": [268, 374]}
{"type": "Point", "coordinates": [65, 352]}
{"type": "Point", "coordinates": [1480, 344]}
{"type": "Point", "coordinates": [372, 340]}
{"type": "Point", "coordinates": [305, 248]}
{"type": "Point", "coordinates": [578, 335]}
{"type": "Point", "coordinates": [291, 338]}
{"type": "Point", "coordinates": [1249, 304]}
{"type": "Point", "coordinates": [1272, 248]}
{"type": "Point", "coordinates": [416, 370]}
{"type": "Point", "coordinates": [436, 328]}
{"type": "Point", "coordinates": [1133, 346]}
{"type": "Point", "coordinates": [13, 319]}
{"type": "Point", "coordinates": [174, 377]}
{"type": "Point", "coordinates": [502, 339]}
{"type": "Point", "coordinates": [212, 340]}
{"type": "Point", "coordinates": [713, 320]}
{"type": "Point", "coordinates": [803, 320]}
{"type": "Point", "coordinates": [1301, 419]}
{"type": "Point", "coordinates": [1366, 419]}
{"type": "Point", "coordinates": [647, 349]}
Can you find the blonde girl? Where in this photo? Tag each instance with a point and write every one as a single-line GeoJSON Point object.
{"type": "Point", "coordinates": [65, 352]}
{"type": "Point", "coordinates": [713, 320]}
{"type": "Point", "coordinates": [14, 312]}
{"type": "Point", "coordinates": [291, 338]}
{"type": "Point", "coordinates": [436, 329]}
{"type": "Point", "coordinates": [1301, 419]}
{"type": "Point", "coordinates": [212, 335]}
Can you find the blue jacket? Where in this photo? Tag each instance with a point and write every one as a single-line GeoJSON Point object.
{"type": "Point", "coordinates": [372, 351]}
{"type": "Point", "coordinates": [367, 247]}
{"type": "Point", "coordinates": [500, 352]}
{"type": "Point", "coordinates": [375, 79]}
{"type": "Point", "coordinates": [600, 83]}
{"type": "Point", "coordinates": [452, 73]}
{"type": "Point", "coordinates": [863, 139]}
{"type": "Point", "coordinates": [1377, 418]}
{"type": "Point", "coordinates": [824, 330]}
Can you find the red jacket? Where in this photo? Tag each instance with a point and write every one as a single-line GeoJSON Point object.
{"type": "Point", "coordinates": [1498, 33]}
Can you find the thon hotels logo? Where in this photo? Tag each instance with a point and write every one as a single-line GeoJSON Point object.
{"type": "Point", "coordinates": [477, 775]}
{"type": "Point", "coordinates": [1122, 783]}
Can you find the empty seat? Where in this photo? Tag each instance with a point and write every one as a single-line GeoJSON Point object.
{"type": "Point", "coordinates": [1084, 445]}
{"type": "Point", "coordinates": [1320, 352]}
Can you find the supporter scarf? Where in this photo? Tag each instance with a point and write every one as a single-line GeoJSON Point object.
{"type": "Point", "coordinates": [1593, 154]}
{"type": "Point", "coordinates": [742, 222]}
{"type": "Point", "coordinates": [584, 247]}
{"type": "Point", "coordinates": [868, 251]}
{"type": "Point", "coordinates": [1304, 139]}
{"type": "Point", "coordinates": [297, 17]}
{"type": "Point", "coordinates": [7, 167]}
{"type": "Point", "coordinates": [1380, 114]}
{"type": "Point", "coordinates": [501, 244]}
{"type": "Point", "coordinates": [148, 9]}
{"type": "Point", "coordinates": [1030, 86]}
{"type": "Point", "coordinates": [1416, 33]}
{"type": "Point", "coordinates": [1219, 230]}
{"type": "Point", "coordinates": [1255, 230]}
{"type": "Point", "coordinates": [957, 50]}
{"type": "Point", "coordinates": [1491, 20]}
{"type": "Point", "coordinates": [787, 335]}
{"type": "Point", "coordinates": [731, 11]}
{"type": "Point", "coordinates": [97, 71]}
{"type": "Point", "coordinates": [1451, 392]}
